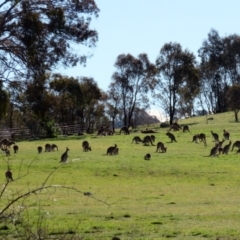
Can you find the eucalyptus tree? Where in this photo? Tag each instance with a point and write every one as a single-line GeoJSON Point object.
{"type": "Point", "coordinates": [4, 100]}
{"type": "Point", "coordinates": [113, 103]}
{"type": "Point", "coordinates": [179, 78]}
{"type": "Point", "coordinates": [233, 100]}
{"type": "Point", "coordinates": [69, 97]}
{"type": "Point", "coordinates": [93, 108]}
{"type": "Point", "coordinates": [132, 80]}
{"type": "Point", "coordinates": [37, 36]}
{"type": "Point", "coordinates": [214, 58]}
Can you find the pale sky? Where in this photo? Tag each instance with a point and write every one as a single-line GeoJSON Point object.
{"type": "Point", "coordinates": [140, 26]}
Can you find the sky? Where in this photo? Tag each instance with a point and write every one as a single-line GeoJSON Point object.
{"type": "Point", "coordinates": [140, 26]}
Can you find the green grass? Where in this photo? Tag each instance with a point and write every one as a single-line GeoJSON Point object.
{"type": "Point", "coordinates": [181, 194]}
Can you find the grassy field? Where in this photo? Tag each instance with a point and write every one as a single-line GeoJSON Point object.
{"type": "Point", "coordinates": [180, 194]}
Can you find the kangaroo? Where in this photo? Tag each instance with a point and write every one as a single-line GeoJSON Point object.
{"type": "Point", "coordinates": [15, 148]}
{"type": "Point", "coordinates": [236, 144]}
{"type": "Point", "coordinates": [171, 136]}
{"type": "Point", "coordinates": [195, 138]}
{"type": "Point", "coordinates": [48, 147]}
{"type": "Point", "coordinates": [53, 147]}
{"type": "Point", "coordinates": [153, 138]}
{"type": "Point", "coordinates": [160, 146]}
{"type": "Point", "coordinates": [220, 150]}
{"type": "Point", "coordinates": [186, 128]}
{"type": "Point", "coordinates": [226, 134]}
{"type": "Point", "coordinates": [86, 147]}
{"type": "Point", "coordinates": [174, 127]}
{"type": "Point", "coordinates": [112, 150]}
{"type": "Point", "coordinates": [146, 140]}
{"type": "Point", "coordinates": [136, 139]}
{"type": "Point", "coordinates": [64, 156]}
{"type": "Point", "coordinates": [6, 143]}
{"type": "Point", "coordinates": [116, 151]}
{"type": "Point", "coordinates": [214, 150]}
{"type": "Point", "coordinates": [39, 148]}
{"type": "Point", "coordinates": [8, 175]}
{"type": "Point", "coordinates": [125, 130]}
{"type": "Point", "coordinates": [221, 143]}
{"type": "Point", "coordinates": [7, 151]}
{"type": "Point", "coordinates": [215, 137]}
{"type": "Point", "coordinates": [226, 148]}
{"type": "Point", "coordinates": [202, 138]}
{"type": "Point", "coordinates": [147, 156]}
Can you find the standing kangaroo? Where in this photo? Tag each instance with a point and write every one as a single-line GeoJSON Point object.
{"type": "Point", "coordinates": [226, 134]}
{"type": "Point", "coordinates": [112, 150]}
{"type": "Point", "coordinates": [8, 175]}
{"type": "Point", "coordinates": [214, 150]}
{"type": "Point", "coordinates": [64, 156]}
{"type": "Point", "coordinates": [226, 148]}
{"type": "Point", "coordinates": [215, 137]}
{"type": "Point", "coordinates": [15, 148]}
{"type": "Point", "coordinates": [39, 148]}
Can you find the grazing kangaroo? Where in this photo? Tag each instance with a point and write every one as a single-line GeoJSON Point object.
{"type": "Point", "coordinates": [8, 175]}
{"type": "Point", "coordinates": [146, 140]}
{"type": "Point", "coordinates": [195, 138]}
{"type": "Point", "coordinates": [136, 139]}
{"type": "Point", "coordinates": [160, 146]}
{"type": "Point", "coordinates": [186, 128]}
{"type": "Point", "coordinates": [64, 156]}
{"type": "Point", "coordinates": [86, 147]}
{"type": "Point", "coordinates": [202, 138]}
{"type": "Point", "coordinates": [53, 147]}
{"type": "Point", "coordinates": [39, 148]}
{"type": "Point", "coordinates": [112, 150]}
{"type": "Point", "coordinates": [215, 137]}
{"type": "Point", "coordinates": [174, 127]}
{"type": "Point", "coordinates": [226, 148]}
{"type": "Point", "coordinates": [226, 134]}
{"type": "Point", "coordinates": [125, 130]}
{"type": "Point", "coordinates": [171, 136]}
{"type": "Point", "coordinates": [48, 147]}
{"type": "Point", "coordinates": [236, 144]}
{"type": "Point", "coordinates": [147, 156]}
{"type": "Point", "coordinates": [6, 143]}
{"type": "Point", "coordinates": [15, 148]}
{"type": "Point", "coordinates": [214, 150]}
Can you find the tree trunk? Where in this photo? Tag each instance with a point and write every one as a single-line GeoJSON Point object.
{"type": "Point", "coordinates": [236, 116]}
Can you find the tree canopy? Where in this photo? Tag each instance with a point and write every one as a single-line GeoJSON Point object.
{"type": "Point", "coordinates": [37, 35]}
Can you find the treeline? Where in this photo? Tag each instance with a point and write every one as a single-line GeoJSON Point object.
{"type": "Point", "coordinates": [38, 37]}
